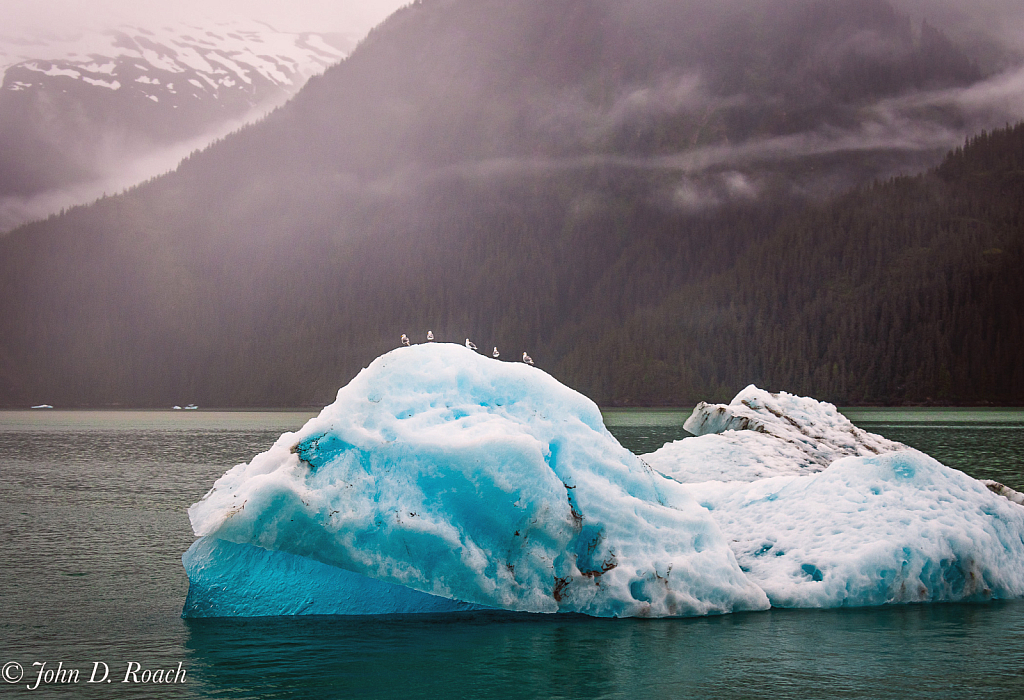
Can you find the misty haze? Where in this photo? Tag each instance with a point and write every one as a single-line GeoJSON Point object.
{"type": "Point", "coordinates": [382, 350]}
{"type": "Point", "coordinates": [662, 201]}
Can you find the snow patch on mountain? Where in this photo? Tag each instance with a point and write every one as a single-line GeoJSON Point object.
{"type": "Point", "coordinates": [91, 113]}
{"type": "Point", "coordinates": [235, 56]}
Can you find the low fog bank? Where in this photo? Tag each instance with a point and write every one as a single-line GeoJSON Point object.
{"type": "Point", "coordinates": [734, 99]}
{"type": "Point", "coordinates": [964, 73]}
{"type": "Point", "coordinates": [118, 163]}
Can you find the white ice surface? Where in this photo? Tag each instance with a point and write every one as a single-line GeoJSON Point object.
{"type": "Point", "coordinates": [894, 528]}
{"type": "Point", "coordinates": [1004, 491]}
{"type": "Point", "coordinates": [821, 513]}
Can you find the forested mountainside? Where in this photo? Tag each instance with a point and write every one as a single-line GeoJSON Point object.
{"type": "Point", "coordinates": [649, 202]}
{"type": "Point", "coordinates": [904, 291]}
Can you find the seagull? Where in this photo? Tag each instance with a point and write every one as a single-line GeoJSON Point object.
{"type": "Point", "coordinates": [430, 335]}
{"type": "Point", "coordinates": [470, 345]}
{"type": "Point", "coordinates": [495, 353]}
{"type": "Point", "coordinates": [527, 359]}
{"type": "Point", "coordinates": [405, 339]}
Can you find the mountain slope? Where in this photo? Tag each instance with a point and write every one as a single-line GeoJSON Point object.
{"type": "Point", "coordinates": [540, 176]}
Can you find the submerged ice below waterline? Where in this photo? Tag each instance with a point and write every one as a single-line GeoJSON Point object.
{"type": "Point", "coordinates": [441, 479]}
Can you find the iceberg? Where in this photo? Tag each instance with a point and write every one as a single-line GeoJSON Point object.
{"type": "Point", "coordinates": [821, 513]}
{"type": "Point", "coordinates": [444, 480]}
{"type": "Point", "coordinates": [455, 475]}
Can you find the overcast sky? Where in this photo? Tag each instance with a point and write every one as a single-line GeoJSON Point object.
{"type": "Point", "coordinates": [28, 18]}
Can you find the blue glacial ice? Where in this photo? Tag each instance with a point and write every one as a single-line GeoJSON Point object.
{"type": "Point", "coordinates": [470, 479]}
{"type": "Point", "coordinates": [242, 580]}
{"type": "Point", "coordinates": [442, 480]}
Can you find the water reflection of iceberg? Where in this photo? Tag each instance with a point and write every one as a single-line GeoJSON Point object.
{"type": "Point", "coordinates": [441, 478]}
{"type": "Point", "coordinates": [893, 652]}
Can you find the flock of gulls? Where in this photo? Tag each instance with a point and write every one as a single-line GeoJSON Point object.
{"type": "Point", "coordinates": [469, 344]}
{"type": "Point", "coordinates": [405, 341]}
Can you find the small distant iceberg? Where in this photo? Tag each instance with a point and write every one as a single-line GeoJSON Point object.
{"type": "Point", "coordinates": [191, 407]}
{"type": "Point", "coordinates": [176, 408]}
{"type": "Point", "coordinates": [443, 480]}
{"type": "Point", "coordinates": [43, 405]}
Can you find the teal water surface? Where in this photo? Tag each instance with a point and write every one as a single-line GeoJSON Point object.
{"type": "Point", "coordinates": [92, 517]}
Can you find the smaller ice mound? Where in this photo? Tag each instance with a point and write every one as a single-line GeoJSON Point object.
{"type": "Point", "coordinates": [440, 470]}
{"type": "Point", "coordinates": [1004, 491]}
{"type": "Point", "coordinates": [894, 528]}
{"type": "Point", "coordinates": [240, 580]}
{"type": "Point", "coordinates": [816, 428]}
{"type": "Point", "coordinates": [760, 435]}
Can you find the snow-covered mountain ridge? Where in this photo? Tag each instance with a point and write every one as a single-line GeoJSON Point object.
{"type": "Point", "coordinates": [185, 61]}
{"type": "Point", "coordinates": [99, 111]}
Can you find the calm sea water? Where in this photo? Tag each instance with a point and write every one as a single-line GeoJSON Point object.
{"type": "Point", "coordinates": [93, 524]}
